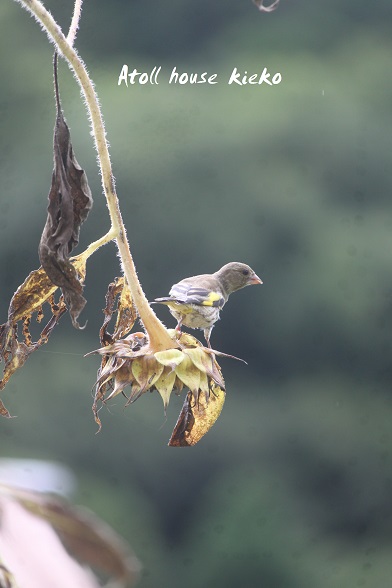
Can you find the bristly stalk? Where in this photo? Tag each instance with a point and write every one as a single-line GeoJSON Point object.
{"type": "Point", "coordinates": [73, 29]}
{"type": "Point", "coordinates": [159, 338]}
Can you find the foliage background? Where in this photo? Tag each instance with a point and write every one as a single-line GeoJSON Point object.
{"type": "Point", "coordinates": [291, 488]}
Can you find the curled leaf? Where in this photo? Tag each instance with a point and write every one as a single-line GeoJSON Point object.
{"type": "Point", "coordinates": [126, 312]}
{"type": "Point", "coordinates": [197, 417]}
{"type": "Point", "coordinates": [31, 295]}
{"type": "Point", "coordinates": [29, 299]}
{"type": "Point", "coordinates": [114, 349]}
{"type": "Point", "coordinates": [14, 353]}
{"type": "Point", "coordinates": [70, 201]}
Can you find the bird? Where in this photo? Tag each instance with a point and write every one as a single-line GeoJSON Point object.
{"type": "Point", "coordinates": [196, 302]}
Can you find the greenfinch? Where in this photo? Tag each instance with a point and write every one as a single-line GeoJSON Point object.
{"type": "Point", "coordinates": [196, 302]}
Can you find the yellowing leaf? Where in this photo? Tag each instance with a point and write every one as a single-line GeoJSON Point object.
{"type": "Point", "coordinates": [31, 295]}
{"type": "Point", "coordinates": [28, 300]}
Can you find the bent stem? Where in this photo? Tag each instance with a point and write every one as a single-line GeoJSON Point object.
{"type": "Point", "coordinates": [159, 337]}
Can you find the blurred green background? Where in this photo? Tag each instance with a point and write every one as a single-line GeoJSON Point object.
{"type": "Point", "coordinates": [292, 486]}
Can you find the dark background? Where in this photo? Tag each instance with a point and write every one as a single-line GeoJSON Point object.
{"type": "Point", "coordinates": [291, 488]}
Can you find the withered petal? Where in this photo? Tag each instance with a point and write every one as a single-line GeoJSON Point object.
{"type": "Point", "coordinates": [146, 370]}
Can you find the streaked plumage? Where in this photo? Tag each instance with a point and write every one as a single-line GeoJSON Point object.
{"type": "Point", "coordinates": [197, 301]}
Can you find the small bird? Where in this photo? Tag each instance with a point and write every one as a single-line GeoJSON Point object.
{"type": "Point", "coordinates": [197, 301]}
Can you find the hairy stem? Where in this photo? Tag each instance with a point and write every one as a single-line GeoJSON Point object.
{"type": "Point", "coordinates": [73, 29]}
{"type": "Point", "coordinates": [159, 338]}
{"type": "Point", "coordinates": [92, 247]}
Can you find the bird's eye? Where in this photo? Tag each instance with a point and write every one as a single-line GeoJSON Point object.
{"type": "Point", "coordinates": [245, 272]}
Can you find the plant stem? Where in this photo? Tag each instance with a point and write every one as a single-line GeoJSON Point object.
{"type": "Point", "coordinates": [73, 29]}
{"type": "Point", "coordinates": [159, 338]}
{"type": "Point", "coordinates": [92, 247]}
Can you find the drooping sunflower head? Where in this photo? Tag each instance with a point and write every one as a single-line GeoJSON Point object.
{"type": "Point", "coordinates": [129, 367]}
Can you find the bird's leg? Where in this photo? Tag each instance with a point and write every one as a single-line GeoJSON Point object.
{"type": "Point", "coordinates": [207, 335]}
{"type": "Point", "coordinates": [178, 327]}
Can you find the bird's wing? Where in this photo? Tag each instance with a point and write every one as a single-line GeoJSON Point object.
{"type": "Point", "coordinates": [188, 294]}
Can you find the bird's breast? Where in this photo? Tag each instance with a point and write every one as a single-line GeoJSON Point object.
{"type": "Point", "coordinates": [193, 315]}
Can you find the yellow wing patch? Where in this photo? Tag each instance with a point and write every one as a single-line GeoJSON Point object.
{"type": "Point", "coordinates": [211, 299]}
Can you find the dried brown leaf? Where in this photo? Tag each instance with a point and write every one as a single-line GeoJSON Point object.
{"type": "Point", "coordinates": [126, 312]}
{"type": "Point", "coordinates": [31, 295]}
{"type": "Point", "coordinates": [125, 320]}
{"type": "Point", "coordinates": [70, 201]}
{"type": "Point", "coordinates": [3, 411]}
{"type": "Point", "coordinates": [28, 300]}
{"type": "Point", "coordinates": [15, 352]}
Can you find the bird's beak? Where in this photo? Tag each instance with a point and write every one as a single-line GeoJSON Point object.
{"type": "Point", "coordinates": [255, 280]}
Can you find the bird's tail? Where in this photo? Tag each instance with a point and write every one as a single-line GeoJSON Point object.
{"type": "Point", "coordinates": [164, 300]}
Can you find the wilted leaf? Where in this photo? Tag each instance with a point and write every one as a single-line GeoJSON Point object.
{"type": "Point", "coordinates": [3, 411]}
{"type": "Point", "coordinates": [15, 352]}
{"type": "Point", "coordinates": [30, 296]}
{"type": "Point", "coordinates": [28, 300]}
{"type": "Point", "coordinates": [262, 8]}
{"type": "Point", "coordinates": [197, 417]}
{"type": "Point", "coordinates": [126, 312]}
{"type": "Point", "coordinates": [70, 201]}
{"type": "Point", "coordinates": [113, 347]}
{"type": "Point", "coordinates": [87, 538]}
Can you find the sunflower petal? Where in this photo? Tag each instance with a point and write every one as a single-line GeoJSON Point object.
{"type": "Point", "coordinates": [146, 370]}
{"type": "Point", "coordinates": [189, 374]}
{"type": "Point", "coordinates": [170, 357]}
{"type": "Point", "coordinates": [164, 385]}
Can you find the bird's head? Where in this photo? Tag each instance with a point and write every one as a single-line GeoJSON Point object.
{"type": "Point", "coordinates": [234, 276]}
